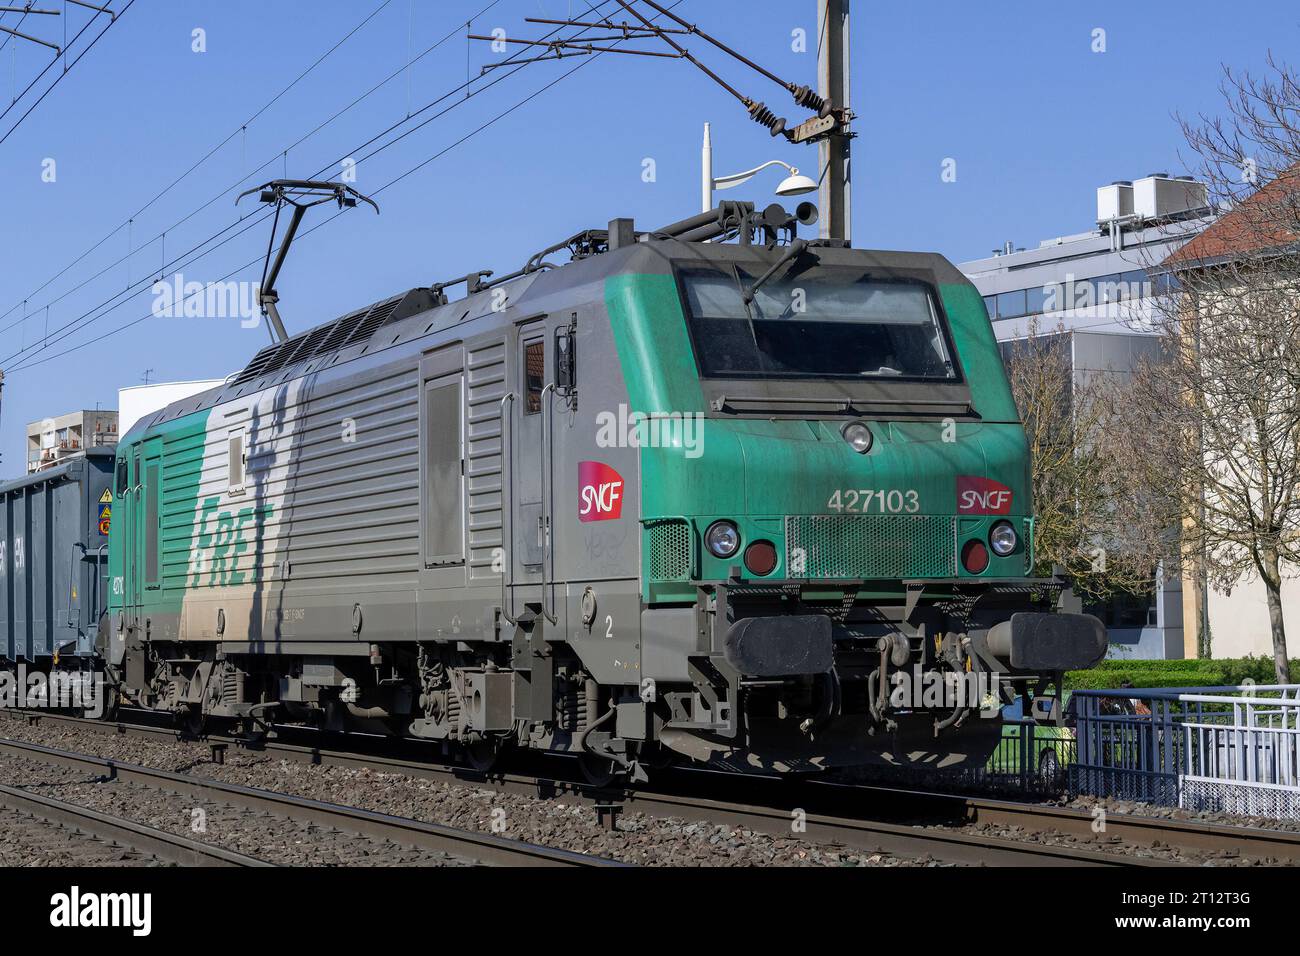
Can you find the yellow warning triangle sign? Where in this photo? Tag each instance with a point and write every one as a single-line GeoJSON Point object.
{"type": "Point", "coordinates": [106, 497]}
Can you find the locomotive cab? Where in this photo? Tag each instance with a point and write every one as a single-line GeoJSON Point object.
{"type": "Point", "coordinates": [837, 538]}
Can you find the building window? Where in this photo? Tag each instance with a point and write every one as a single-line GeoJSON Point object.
{"type": "Point", "coordinates": [1037, 299]}
{"type": "Point", "coordinates": [1135, 284]}
{"type": "Point", "coordinates": [1011, 305]}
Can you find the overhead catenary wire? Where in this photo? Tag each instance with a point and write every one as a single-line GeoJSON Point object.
{"type": "Point", "coordinates": [33, 361]}
{"type": "Point", "coordinates": [278, 155]}
{"type": "Point", "coordinates": [111, 304]}
{"type": "Point", "coordinates": [67, 68]}
{"type": "Point", "coordinates": [108, 306]}
{"type": "Point", "coordinates": [242, 127]}
{"type": "Point", "coordinates": [19, 22]}
{"type": "Point", "coordinates": [803, 95]}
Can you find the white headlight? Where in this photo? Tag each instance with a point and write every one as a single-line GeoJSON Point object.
{"type": "Point", "coordinates": [858, 436]}
{"type": "Point", "coordinates": [1002, 539]}
{"type": "Point", "coordinates": [722, 539]}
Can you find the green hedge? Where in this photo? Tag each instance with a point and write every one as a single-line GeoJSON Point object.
{"type": "Point", "coordinates": [1190, 673]}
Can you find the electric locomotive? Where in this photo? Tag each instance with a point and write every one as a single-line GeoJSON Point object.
{"type": "Point", "coordinates": [677, 498]}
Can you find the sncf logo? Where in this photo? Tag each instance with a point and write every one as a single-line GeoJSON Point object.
{"type": "Point", "coordinates": [600, 492]}
{"type": "Point", "coordinates": [982, 496]}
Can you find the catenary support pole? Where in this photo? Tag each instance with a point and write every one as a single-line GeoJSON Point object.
{"type": "Point", "coordinates": [706, 172]}
{"type": "Point", "coordinates": [833, 83]}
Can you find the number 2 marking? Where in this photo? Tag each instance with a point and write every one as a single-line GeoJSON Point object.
{"type": "Point", "coordinates": [609, 625]}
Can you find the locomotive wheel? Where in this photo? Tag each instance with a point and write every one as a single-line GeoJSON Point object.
{"type": "Point", "coordinates": [657, 757]}
{"type": "Point", "coordinates": [482, 754]}
{"type": "Point", "coordinates": [597, 771]}
{"type": "Point", "coordinates": [109, 710]}
{"type": "Point", "coordinates": [190, 722]}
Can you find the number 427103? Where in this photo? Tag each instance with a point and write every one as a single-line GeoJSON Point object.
{"type": "Point", "coordinates": [866, 501]}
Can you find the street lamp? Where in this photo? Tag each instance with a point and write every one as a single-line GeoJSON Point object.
{"type": "Point", "coordinates": [793, 185]}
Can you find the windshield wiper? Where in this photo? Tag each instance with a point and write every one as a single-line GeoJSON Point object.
{"type": "Point", "coordinates": [792, 252]}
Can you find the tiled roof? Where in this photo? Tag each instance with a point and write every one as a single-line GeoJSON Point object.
{"type": "Point", "coordinates": [1255, 225]}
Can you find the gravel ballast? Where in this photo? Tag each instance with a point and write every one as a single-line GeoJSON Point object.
{"type": "Point", "coordinates": [273, 838]}
{"type": "Point", "coordinates": [27, 841]}
{"type": "Point", "coordinates": [639, 839]}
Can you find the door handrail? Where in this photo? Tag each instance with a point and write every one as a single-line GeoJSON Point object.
{"type": "Point", "coordinates": [507, 509]}
{"type": "Point", "coordinates": [548, 502]}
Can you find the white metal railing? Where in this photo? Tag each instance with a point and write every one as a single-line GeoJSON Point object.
{"type": "Point", "coordinates": [1206, 748]}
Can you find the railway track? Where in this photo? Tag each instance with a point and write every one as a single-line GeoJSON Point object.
{"type": "Point", "coordinates": [894, 820]}
{"type": "Point", "coordinates": [115, 830]}
{"type": "Point", "coordinates": [480, 847]}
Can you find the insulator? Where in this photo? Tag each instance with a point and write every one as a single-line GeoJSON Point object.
{"type": "Point", "coordinates": [805, 97]}
{"type": "Point", "coordinates": [765, 117]}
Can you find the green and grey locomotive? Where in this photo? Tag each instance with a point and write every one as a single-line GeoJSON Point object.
{"type": "Point", "coordinates": [676, 497]}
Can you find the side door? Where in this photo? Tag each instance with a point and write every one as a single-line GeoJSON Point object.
{"type": "Point", "coordinates": [149, 500]}
{"type": "Point", "coordinates": [442, 474]}
{"type": "Point", "coordinates": [132, 564]}
{"type": "Point", "coordinates": [529, 457]}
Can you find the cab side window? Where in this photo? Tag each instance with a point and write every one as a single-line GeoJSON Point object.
{"type": "Point", "coordinates": [235, 462]}
{"type": "Point", "coordinates": [534, 375]}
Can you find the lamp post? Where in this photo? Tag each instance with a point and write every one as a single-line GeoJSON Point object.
{"type": "Point", "coordinates": [793, 185]}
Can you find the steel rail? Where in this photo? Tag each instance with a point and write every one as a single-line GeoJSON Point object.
{"type": "Point", "coordinates": [1247, 841]}
{"type": "Point", "coordinates": [482, 847]}
{"type": "Point", "coordinates": [858, 827]}
{"type": "Point", "coordinates": [846, 802]}
{"type": "Point", "coordinates": [108, 828]}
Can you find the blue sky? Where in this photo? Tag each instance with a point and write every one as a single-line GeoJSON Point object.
{"type": "Point", "coordinates": [1012, 91]}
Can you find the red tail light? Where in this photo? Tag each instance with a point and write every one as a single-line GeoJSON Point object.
{"type": "Point", "coordinates": [760, 557]}
{"type": "Point", "coordinates": [975, 556]}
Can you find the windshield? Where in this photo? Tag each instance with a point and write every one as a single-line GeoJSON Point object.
{"type": "Point", "coordinates": [833, 323]}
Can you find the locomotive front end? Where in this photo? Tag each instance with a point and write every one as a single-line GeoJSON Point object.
{"type": "Point", "coordinates": [837, 550]}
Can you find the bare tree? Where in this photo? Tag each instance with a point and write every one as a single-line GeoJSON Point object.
{"type": "Point", "coordinates": [1214, 426]}
{"type": "Point", "coordinates": [1086, 521]}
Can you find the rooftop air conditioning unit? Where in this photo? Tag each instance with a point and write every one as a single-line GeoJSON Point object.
{"type": "Point", "coordinates": [1114, 201]}
{"type": "Point", "coordinates": [1158, 196]}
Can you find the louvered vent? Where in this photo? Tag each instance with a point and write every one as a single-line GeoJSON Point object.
{"type": "Point", "coordinates": [311, 344]}
{"type": "Point", "coordinates": [280, 358]}
{"type": "Point", "coordinates": [342, 330]}
{"type": "Point", "coordinates": [352, 329]}
{"type": "Point", "coordinates": [254, 368]}
{"type": "Point", "coordinates": [374, 319]}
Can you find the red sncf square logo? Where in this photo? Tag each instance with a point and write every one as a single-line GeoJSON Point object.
{"type": "Point", "coordinates": [600, 492]}
{"type": "Point", "coordinates": [982, 496]}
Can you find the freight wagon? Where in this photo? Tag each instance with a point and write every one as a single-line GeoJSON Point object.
{"type": "Point", "coordinates": [54, 533]}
